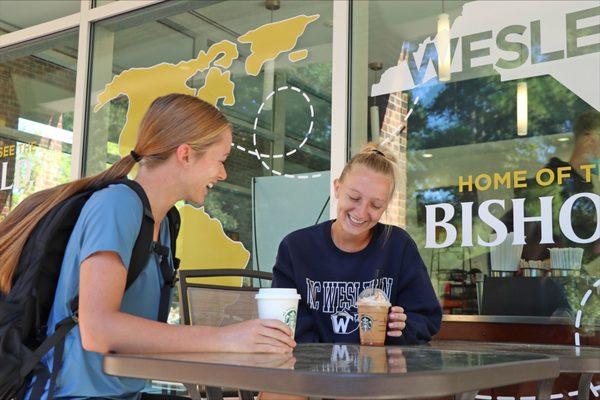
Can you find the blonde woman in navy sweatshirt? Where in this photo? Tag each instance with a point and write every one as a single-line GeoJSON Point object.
{"type": "Point", "coordinates": [331, 263]}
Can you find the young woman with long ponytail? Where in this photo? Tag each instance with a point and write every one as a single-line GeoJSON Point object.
{"type": "Point", "coordinates": [181, 147]}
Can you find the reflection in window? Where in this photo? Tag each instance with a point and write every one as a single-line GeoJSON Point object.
{"type": "Point", "coordinates": [36, 117]}
{"type": "Point", "coordinates": [458, 148]}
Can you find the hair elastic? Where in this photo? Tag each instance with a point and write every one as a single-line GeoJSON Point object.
{"type": "Point", "coordinates": [378, 152]}
{"type": "Point", "coordinates": [136, 157]}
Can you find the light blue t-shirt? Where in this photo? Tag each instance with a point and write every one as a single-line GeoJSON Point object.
{"type": "Point", "coordinates": [109, 221]}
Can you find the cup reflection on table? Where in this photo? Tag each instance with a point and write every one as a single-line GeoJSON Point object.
{"type": "Point", "coordinates": [381, 360]}
{"type": "Point", "coordinates": [372, 360]}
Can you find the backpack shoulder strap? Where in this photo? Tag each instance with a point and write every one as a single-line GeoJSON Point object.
{"type": "Point", "coordinates": [169, 273]}
{"type": "Point", "coordinates": [174, 225]}
{"type": "Point", "coordinates": [142, 247]}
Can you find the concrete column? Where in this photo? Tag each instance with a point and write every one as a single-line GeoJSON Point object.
{"type": "Point", "coordinates": [102, 73]}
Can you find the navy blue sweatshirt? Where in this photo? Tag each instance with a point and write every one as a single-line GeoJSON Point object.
{"type": "Point", "coordinates": [329, 281]}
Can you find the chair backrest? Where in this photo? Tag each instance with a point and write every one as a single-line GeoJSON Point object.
{"type": "Point", "coordinates": [216, 305]}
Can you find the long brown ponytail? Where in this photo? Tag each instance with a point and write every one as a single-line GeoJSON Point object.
{"type": "Point", "coordinates": [170, 121]}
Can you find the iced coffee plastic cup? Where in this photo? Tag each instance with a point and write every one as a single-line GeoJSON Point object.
{"type": "Point", "coordinates": [373, 307]}
{"type": "Point", "coordinates": [281, 304]}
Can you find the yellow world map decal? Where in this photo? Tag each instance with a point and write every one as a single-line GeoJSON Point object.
{"type": "Point", "coordinates": [203, 243]}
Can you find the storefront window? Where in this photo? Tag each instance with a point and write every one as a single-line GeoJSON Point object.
{"type": "Point", "coordinates": [15, 15]}
{"type": "Point", "coordinates": [37, 90]}
{"type": "Point", "coordinates": [280, 107]}
{"type": "Point", "coordinates": [497, 142]}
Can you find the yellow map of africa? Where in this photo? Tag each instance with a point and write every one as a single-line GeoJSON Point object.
{"type": "Point", "coordinates": [202, 243]}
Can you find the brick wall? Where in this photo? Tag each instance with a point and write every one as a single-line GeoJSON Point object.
{"type": "Point", "coordinates": [393, 136]}
{"type": "Point", "coordinates": [38, 70]}
{"type": "Point", "coordinates": [9, 106]}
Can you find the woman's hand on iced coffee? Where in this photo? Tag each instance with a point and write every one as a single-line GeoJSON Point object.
{"type": "Point", "coordinates": [258, 336]}
{"type": "Point", "coordinates": [396, 321]}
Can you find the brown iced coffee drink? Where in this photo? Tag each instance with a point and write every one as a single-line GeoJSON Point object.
{"type": "Point", "coordinates": [373, 307]}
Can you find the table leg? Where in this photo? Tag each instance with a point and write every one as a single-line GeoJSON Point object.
{"type": "Point", "coordinates": [466, 395]}
{"type": "Point", "coordinates": [193, 391]}
{"type": "Point", "coordinates": [245, 395]}
{"type": "Point", "coordinates": [213, 393]}
{"type": "Point", "coordinates": [544, 390]}
{"type": "Point", "coordinates": [583, 392]}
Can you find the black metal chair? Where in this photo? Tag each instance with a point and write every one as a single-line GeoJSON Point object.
{"type": "Point", "coordinates": [218, 305]}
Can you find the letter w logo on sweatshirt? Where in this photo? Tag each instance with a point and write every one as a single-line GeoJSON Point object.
{"type": "Point", "coordinates": [340, 321]}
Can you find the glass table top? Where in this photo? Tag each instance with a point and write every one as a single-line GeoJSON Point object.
{"type": "Point", "coordinates": [571, 358]}
{"type": "Point", "coordinates": [354, 359]}
{"type": "Point", "coordinates": [344, 371]}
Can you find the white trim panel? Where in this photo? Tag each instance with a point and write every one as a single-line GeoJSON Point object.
{"type": "Point", "coordinates": [73, 21]}
{"type": "Point", "coordinates": [339, 95]}
{"type": "Point", "coordinates": [40, 30]}
{"type": "Point", "coordinates": [118, 8]}
{"type": "Point", "coordinates": [83, 56]}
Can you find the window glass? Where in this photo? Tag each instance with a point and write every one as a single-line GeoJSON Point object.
{"type": "Point", "coordinates": [281, 108]}
{"type": "Point", "coordinates": [37, 90]}
{"type": "Point", "coordinates": [19, 14]}
{"type": "Point", "coordinates": [494, 120]}
{"type": "Point", "coordinates": [100, 3]}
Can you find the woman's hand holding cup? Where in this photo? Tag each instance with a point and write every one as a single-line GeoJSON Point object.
{"type": "Point", "coordinates": [258, 336]}
{"type": "Point", "coordinates": [396, 321]}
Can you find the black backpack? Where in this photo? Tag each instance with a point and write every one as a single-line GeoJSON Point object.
{"type": "Point", "coordinates": [25, 309]}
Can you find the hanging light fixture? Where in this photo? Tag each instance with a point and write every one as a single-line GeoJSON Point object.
{"type": "Point", "coordinates": [443, 46]}
{"type": "Point", "coordinates": [522, 108]}
{"type": "Point", "coordinates": [521, 104]}
{"type": "Point", "coordinates": [374, 109]}
{"type": "Point", "coordinates": [269, 65]}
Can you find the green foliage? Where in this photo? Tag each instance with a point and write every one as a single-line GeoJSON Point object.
{"type": "Point", "coordinates": [39, 168]}
{"type": "Point", "coordinates": [218, 205]}
{"type": "Point", "coordinates": [484, 110]}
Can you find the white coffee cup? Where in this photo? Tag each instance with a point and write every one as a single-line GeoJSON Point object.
{"type": "Point", "coordinates": [281, 304]}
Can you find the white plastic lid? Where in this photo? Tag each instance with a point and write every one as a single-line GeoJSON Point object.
{"type": "Point", "coordinates": [277, 293]}
{"type": "Point", "coordinates": [373, 296]}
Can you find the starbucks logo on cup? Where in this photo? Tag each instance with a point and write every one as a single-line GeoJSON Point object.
{"type": "Point", "coordinates": [366, 323]}
{"type": "Point", "coordinates": [289, 318]}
